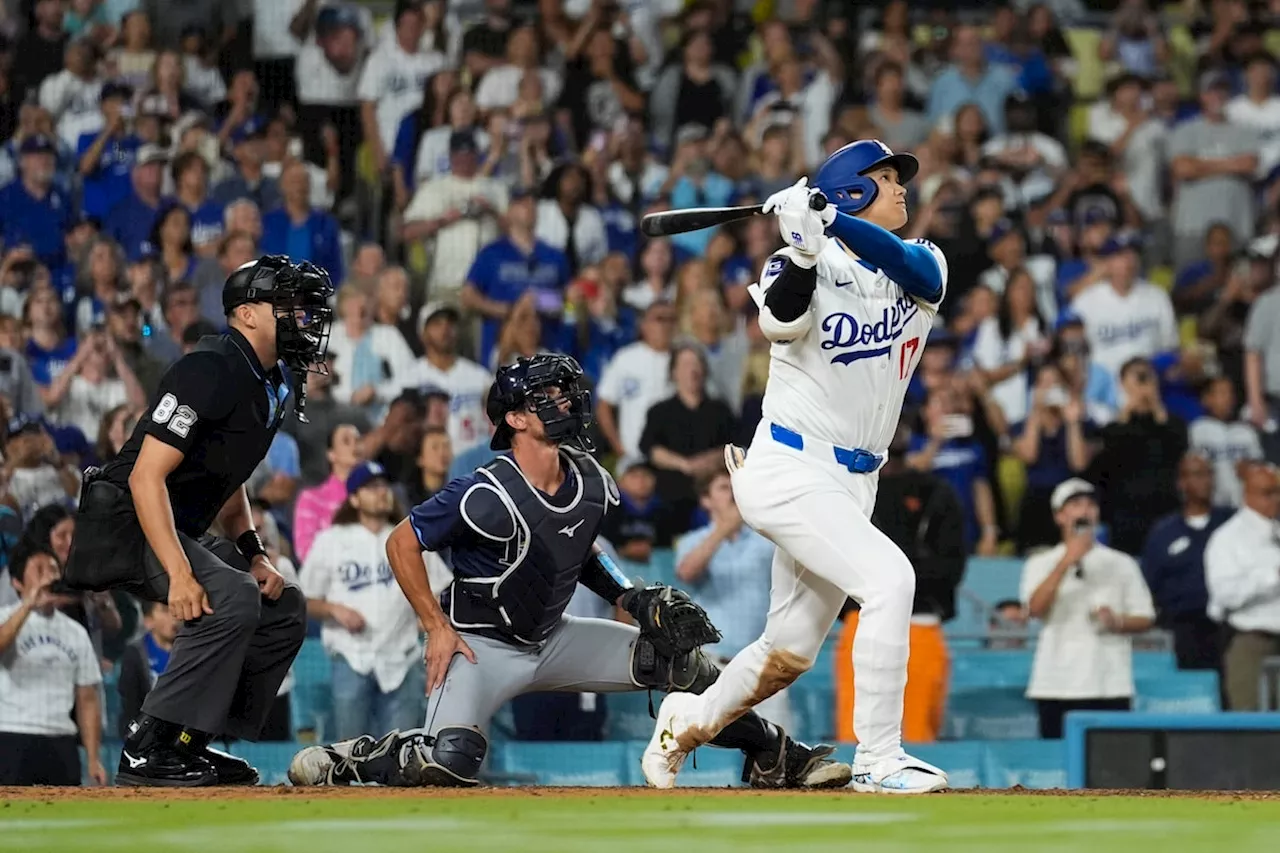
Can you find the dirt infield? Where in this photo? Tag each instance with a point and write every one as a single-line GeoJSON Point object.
{"type": "Point", "coordinates": [276, 792]}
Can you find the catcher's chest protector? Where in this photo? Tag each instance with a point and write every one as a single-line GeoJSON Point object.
{"type": "Point", "coordinates": [540, 548]}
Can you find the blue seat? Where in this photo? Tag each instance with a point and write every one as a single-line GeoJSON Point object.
{"type": "Point", "coordinates": [627, 715]}
{"type": "Point", "coordinates": [813, 708]}
{"type": "Point", "coordinates": [575, 764]}
{"type": "Point", "coordinates": [1178, 692]}
{"type": "Point", "coordinates": [1029, 763]}
{"type": "Point", "coordinates": [312, 698]}
{"type": "Point", "coordinates": [990, 713]}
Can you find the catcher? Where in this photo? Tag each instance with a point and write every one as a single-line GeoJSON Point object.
{"type": "Point", "coordinates": [520, 535]}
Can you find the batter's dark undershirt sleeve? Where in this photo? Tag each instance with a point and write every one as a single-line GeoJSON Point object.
{"type": "Point", "coordinates": [789, 295]}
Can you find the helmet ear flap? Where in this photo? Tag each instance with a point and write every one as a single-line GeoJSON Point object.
{"type": "Point", "coordinates": [855, 194]}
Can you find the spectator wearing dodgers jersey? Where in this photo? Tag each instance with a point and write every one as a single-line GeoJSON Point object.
{"type": "Point", "coordinates": [465, 381]}
{"type": "Point", "coordinates": [1124, 316]}
{"type": "Point", "coordinates": [391, 84]}
{"type": "Point", "coordinates": [635, 379]}
{"type": "Point", "coordinates": [370, 630]}
{"type": "Point", "coordinates": [1224, 440]}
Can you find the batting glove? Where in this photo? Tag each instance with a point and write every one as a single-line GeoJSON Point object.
{"type": "Point", "coordinates": [802, 227]}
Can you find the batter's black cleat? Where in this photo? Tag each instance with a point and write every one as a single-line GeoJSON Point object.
{"type": "Point", "coordinates": [796, 765]}
{"type": "Point", "coordinates": [164, 767]}
{"type": "Point", "coordinates": [229, 769]}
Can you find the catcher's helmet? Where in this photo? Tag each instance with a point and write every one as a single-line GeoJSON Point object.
{"type": "Point", "coordinates": [548, 385]}
{"type": "Point", "coordinates": [299, 295]}
{"type": "Point", "coordinates": [843, 177]}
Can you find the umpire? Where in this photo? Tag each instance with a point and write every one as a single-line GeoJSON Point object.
{"type": "Point", "coordinates": [144, 519]}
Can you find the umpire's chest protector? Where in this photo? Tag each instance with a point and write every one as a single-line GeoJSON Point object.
{"type": "Point", "coordinates": [540, 547]}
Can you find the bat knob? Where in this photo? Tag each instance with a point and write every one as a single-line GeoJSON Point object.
{"type": "Point", "coordinates": [818, 201]}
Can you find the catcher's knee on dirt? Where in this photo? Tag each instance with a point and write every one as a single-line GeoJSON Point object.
{"type": "Point", "coordinates": [690, 673]}
{"type": "Point", "coordinates": [450, 759]}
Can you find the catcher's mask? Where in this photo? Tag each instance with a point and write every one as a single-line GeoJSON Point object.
{"type": "Point", "coordinates": [549, 386]}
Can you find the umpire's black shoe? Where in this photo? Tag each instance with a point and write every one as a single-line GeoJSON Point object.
{"type": "Point", "coordinates": [229, 769]}
{"type": "Point", "coordinates": [165, 767]}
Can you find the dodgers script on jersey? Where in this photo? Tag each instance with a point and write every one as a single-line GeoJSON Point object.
{"type": "Point", "coordinates": [845, 379]}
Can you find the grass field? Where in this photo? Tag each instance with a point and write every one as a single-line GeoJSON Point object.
{"type": "Point", "coordinates": [630, 821]}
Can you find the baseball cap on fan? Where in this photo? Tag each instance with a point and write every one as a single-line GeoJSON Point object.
{"type": "Point", "coordinates": [432, 309]}
{"type": "Point", "coordinates": [1068, 489]}
{"type": "Point", "coordinates": [151, 153]}
{"type": "Point", "coordinates": [364, 474]}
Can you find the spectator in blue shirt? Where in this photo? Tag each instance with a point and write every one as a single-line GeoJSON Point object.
{"type": "Point", "coordinates": [697, 186]}
{"type": "Point", "coordinates": [511, 266]}
{"type": "Point", "coordinates": [1053, 445]}
{"type": "Point", "coordinates": [191, 190]}
{"type": "Point", "coordinates": [130, 222]}
{"type": "Point", "coordinates": [299, 230]}
{"type": "Point", "coordinates": [1173, 565]}
{"type": "Point", "coordinates": [106, 157]}
{"type": "Point", "coordinates": [32, 211]}
{"type": "Point", "coordinates": [249, 181]}
{"type": "Point", "coordinates": [171, 242]}
{"type": "Point", "coordinates": [971, 79]}
{"type": "Point", "coordinates": [727, 568]}
{"type": "Point", "coordinates": [49, 349]}
{"type": "Point", "coordinates": [950, 449]}
{"type": "Point", "coordinates": [1198, 284]}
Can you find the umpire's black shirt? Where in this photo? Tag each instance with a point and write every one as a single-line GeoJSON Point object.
{"type": "Point", "coordinates": [221, 409]}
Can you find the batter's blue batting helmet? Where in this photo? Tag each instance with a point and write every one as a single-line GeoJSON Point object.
{"type": "Point", "coordinates": [843, 177]}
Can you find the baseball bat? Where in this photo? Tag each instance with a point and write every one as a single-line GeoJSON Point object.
{"type": "Point", "coordinates": [669, 222]}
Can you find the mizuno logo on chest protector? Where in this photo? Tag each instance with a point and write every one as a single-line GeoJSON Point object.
{"type": "Point", "coordinates": [569, 530]}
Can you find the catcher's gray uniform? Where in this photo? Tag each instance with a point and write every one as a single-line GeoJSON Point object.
{"type": "Point", "coordinates": [517, 557]}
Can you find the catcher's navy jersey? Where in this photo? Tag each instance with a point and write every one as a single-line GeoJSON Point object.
{"type": "Point", "coordinates": [517, 554]}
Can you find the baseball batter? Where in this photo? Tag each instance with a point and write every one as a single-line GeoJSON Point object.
{"type": "Point", "coordinates": [520, 534]}
{"type": "Point", "coordinates": [848, 315]}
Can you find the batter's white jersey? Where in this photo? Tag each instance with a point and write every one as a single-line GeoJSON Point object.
{"type": "Point", "coordinates": [844, 380]}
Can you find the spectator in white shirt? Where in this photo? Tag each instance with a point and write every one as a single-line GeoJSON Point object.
{"type": "Point", "coordinates": [370, 630]}
{"type": "Point", "coordinates": [567, 222]}
{"type": "Point", "coordinates": [47, 667]}
{"type": "Point", "coordinates": [499, 87]}
{"type": "Point", "coordinates": [1091, 599]}
{"type": "Point", "coordinates": [1009, 344]}
{"type": "Point", "coordinates": [370, 359]}
{"type": "Point", "coordinates": [465, 381]}
{"type": "Point", "coordinates": [1224, 440]}
{"type": "Point", "coordinates": [1258, 106]}
{"type": "Point", "coordinates": [1136, 139]}
{"type": "Point", "coordinates": [637, 377]}
{"type": "Point", "coordinates": [1035, 159]}
{"type": "Point", "coordinates": [392, 82]}
{"type": "Point", "coordinates": [71, 95]}
{"type": "Point", "coordinates": [459, 212]}
{"type": "Point", "coordinates": [1125, 317]}
{"type": "Point", "coordinates": [1007, 248]}
{"type": "Point", "coordinates": [97, 380]}
{"type": "Point", "coordinates": [1242, 572]}
{"type": "Point", "coordinates": [328, 72]}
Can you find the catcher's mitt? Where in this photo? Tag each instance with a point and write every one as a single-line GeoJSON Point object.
{"type": "Point", "coordinates": [670, 619]}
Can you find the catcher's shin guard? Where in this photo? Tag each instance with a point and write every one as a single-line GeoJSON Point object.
{"type": "Point", "coordinates": [450, 759]}
{"type": "Point", "coordinates": [796, 765]}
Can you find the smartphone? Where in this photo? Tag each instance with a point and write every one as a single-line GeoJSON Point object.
{"type": "Point", "coordinates": [599, 140]}
{"type": "Point", "coordinates": [1055, 397]}
{"type": "Point", "coordinates": [548, 301]}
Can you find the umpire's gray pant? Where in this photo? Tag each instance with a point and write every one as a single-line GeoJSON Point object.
{"type": "Point", "coordinates": [225, 667]}
{"type": "Point", "coordinates": [580, 656]}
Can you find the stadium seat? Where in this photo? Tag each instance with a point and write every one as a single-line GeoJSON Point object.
{"type": "Point", "coordinates": [627, 715]}
{"type": "Point", "coordinates": [312, 699]}
{"type": "Point", "coordinates": [585, 764]}
{"type": "Point", "coordinates": [1011, 479]}
{"type": "Point", "coordinates": [1161, 276]}
{"type": "Point", "coordinates": [1178, 692]}
{"type": "Point", "coordinates": [1026, 763]}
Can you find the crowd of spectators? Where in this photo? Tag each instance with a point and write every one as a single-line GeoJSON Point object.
{"type": "Point", "coordinates": [472, 174]}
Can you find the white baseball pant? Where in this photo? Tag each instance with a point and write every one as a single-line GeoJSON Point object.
{"type": "Point", "coordinates": [819, 515]}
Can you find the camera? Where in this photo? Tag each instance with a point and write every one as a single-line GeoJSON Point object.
{"type": "Point", "coordinates": [60, 587]}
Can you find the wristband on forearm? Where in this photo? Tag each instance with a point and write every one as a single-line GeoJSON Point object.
{"type": "Point", "coordinates": [249, 544]}
{"type": "Point", "coordinates": [602, 576]}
